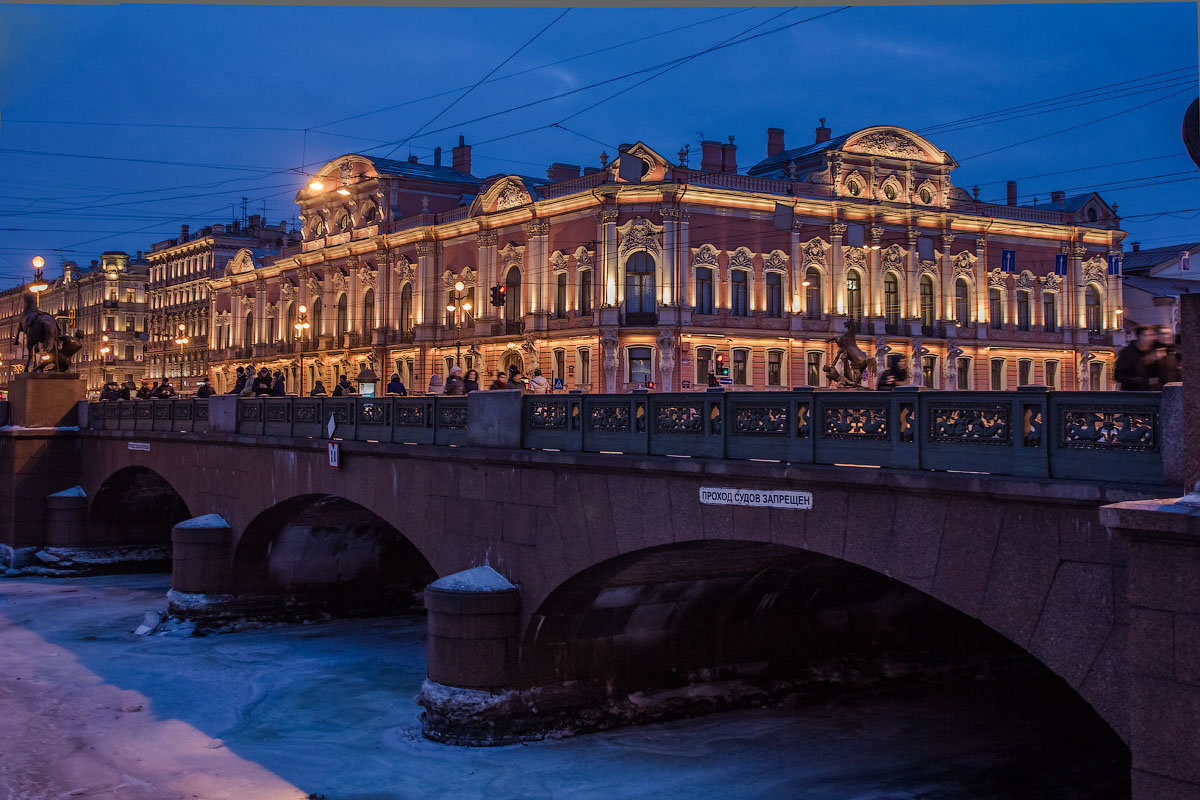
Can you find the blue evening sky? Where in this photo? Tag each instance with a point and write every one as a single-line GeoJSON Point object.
{"type": "Point", "coordinates": [305, 67]}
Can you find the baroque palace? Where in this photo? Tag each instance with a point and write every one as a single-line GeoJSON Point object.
{"type": "Point", "coordinates": [646, 272]}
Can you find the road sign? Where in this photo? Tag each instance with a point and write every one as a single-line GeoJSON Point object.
{"type": "Point", "coordinates": [335, 455]}
{"type": "Point", "coordinates": [1008, 260]}
{"type": "Point", "coordinates": [558, 384]}
{"type": "Point", "coordinates": [726, 381]}
{"type": "Point", "coordinates": [756, 498]}
{"type": "Point", "coordinates": [687, 384]}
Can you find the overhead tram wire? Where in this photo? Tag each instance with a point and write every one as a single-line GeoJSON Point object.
{"type": "Point", "coordinates": [1080, 169]}
{"type": "Point", "coordinates": [455, 101]}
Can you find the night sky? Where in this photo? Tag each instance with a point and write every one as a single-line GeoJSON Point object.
{"type": "Point", "coordinates": [297, 68]}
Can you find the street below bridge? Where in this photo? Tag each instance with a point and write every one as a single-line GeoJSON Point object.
{"type": "Point", "coordinates": [326, 710]}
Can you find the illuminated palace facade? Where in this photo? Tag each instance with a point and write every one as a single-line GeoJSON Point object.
{"type": "Point", "coordinates": [644, 272]}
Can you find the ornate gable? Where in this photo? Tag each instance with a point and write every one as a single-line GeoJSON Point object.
{"type": "Point", "coordinates": [654, 166]}
{"type": "Point", "coordinates": [893, 142]}
{"type": "Point", "coordinates": [639, 234]}
{"type": "Point", "coordinates": [241, 263]}
{"type": "Point", "coordinates": [508, 192]}
{"type": "Point", "coordinates": [893, 258]}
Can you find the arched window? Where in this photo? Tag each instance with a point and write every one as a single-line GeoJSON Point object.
{"type": "Point", "coordinates": [560, 295]}
{"type": "Point", "coordinates": [639, 285]}
{"type": "Point", "coordinates": [1095, 309]}
{"type": "Point", "coordinates": [995, 307]}
{"type": "Point", "coordinates": [290, 320]}
{"type": "Point", "coordinates": [342, 320]}
{"type": "Point", "coordinates": [774, 286]}
{"type": "Point", "coordinates": [962, 301]}
{"type": "Point", "coordinates": [639, 365]}
{"type": "Point", "coordinates": [1050, 311]}
{"type": "Point", "coordinates": [406, 309]}
{"type": "Point", "coordinates": [739, 305]}
{"type": "Point", "coordinates": [891, 299]}
{"type": "Point", "coordinates": [854, 304]}
{"type": "Point", "coordinates": [248, 331]}
{"type": "Point", "coordinates": [585, 292]}
{"type": "Point", "coordinates": [368, 311]}
{"type": "Point", "coordinates": [927, 308]}
{"type": "Point", "coordinates": [1023, 315]}
{"type": "Point", "coordinates": [512, 296]}
{"type": "Point", "coordinates": [314, 331]}
{"type": "Point", "coordinates": [704, 290]}
{"type": "Point", "coordinates": [812, 293]}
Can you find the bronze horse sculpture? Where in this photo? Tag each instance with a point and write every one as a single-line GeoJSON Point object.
{"type": "Point", "coordinates": [43, 334]}
{"type": "Point", "coordinates": [855, 361]}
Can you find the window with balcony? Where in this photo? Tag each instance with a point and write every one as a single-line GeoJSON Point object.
{"type": "Point", "coordinates": [891, 299]}
{"type": "Point", "coordinates": [774, 368]}
{"type": "Point", "coordinates": [1024, 321]}
{"type": "Point", "coordinates": [812, 293]}
{"type": "Point", "coordinates": [640, 303]}
{"type": "Point", "coordinates": [585, 292]}
{"type": "Point", "coordinates": [773, 282]}
{"type": "Point", "coordinates": [854, 301]}
{"type": "Point", "coordinates": [1050, 311]}
{"type": "Point", "coordinates": [739, 303]}
{"type": "Point", "coordinates": [741, 367]}
{"type": "Point", "coordinates": [704, 290]}
{"type": "Point", "coordinates": [995, 307]}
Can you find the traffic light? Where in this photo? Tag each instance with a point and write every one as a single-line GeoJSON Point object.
{"type": "Point", "coordinates": [498, 295]}
{"type": "Point", "coordinates": [722, 370]}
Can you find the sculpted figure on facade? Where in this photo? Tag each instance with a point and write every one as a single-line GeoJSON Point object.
{"type": "Point", "coordinates": [609, 347]}
{"type": "Point", "coordinates": [893, 258]}
{"type": "Point", "coordinates": [1094, 269]}
{"type": "Point", "coordinates": [511, 195]}
{"type": "Point", "coordinates": [919, 352]}
{"type": "Point", "coordinates": [855, 257]}
{"type": "Point", "coordinates": [1083, 376]}
{"type": "Point", "coordinates": [639, 234]}
{"type": "Point", "coordinates": [950, 366]}
{"type": "Point", "coordinates": [814, 252]}
{"type": "Point", "coordinates": [887, 143]}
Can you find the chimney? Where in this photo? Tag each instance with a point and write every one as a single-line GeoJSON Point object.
{"type": "Point", "coordinates": [774, 142]}
{"type": "Point", "coordinates": [822, 132]}
{"type": "Point", "coordinates": [255, 220]}
{"type": "Point", "coordinates": [710, 156]}
{"type": "Point", "coordinates": [729, 156]}
{"type": "Point", "coordinates": [183, 233]}
{"type": "Point", "coordinates": [1059, 197]}
{"type": "Point", "coordinates": [461, 157]}
{"type": "Point", "coordinates": [1136, 246]}
{"type": "Point", "coordinates": [437, 156]}
{"type": "Point", "coordinates": [1012, 193]}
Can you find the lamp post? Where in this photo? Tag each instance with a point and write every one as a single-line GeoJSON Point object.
{"type": "Point", "coordinates": [181, 340]}
{"type": "Point", "coordinates": [39, 285]}
{"type": "Point", "coordinates": [301, 326]}
{"type": "Point", "coordinates": [457, 308]}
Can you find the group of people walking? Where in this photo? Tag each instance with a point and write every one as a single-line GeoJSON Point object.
{"type": "Point", "coordinates": [1150, 361]}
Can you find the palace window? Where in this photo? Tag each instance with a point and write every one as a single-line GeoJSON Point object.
{"type": "Point", "coordinates": [368, 311]}
{"type": "Point", "coordinates": [774, 368]}
{"type": "Point", "coordinates": [1052, 374]}
{"type": "Point", "coordinates": [812, 292]}
{"type": "Point", "coordinates": [1095, 316]}
{"type": "Point", "coordinates": [1096, 373]}
{"type": "Point", "coordinates": [963, 368]}
{"type": "Point", "coordinates": [774, 287]}
{"type": "Point", "coordinates": [1023, 316]}
{"type": "Point", "coordinates": [995, 307]}
{"type": "Point", "coordinates": [639, 365]}
{"type": "Point", "coordinates": [739, 282]}
{"type": "Point", "coordinates": [512, 296]}
{"type": "Point", "coordinates": [998, 374]}
{"type": "Point", "coordinates": [927, 309]}
{"type": "Point", "coordinates": [560, 296]}
{"type": "Point", "coordinates": [854, 303]}
{"type": "Point", "coordinates": [584, 357]}
{"type": "Point", "coordinates": [741, 359]}
{"type": "Point", "coordinates": [585, 292]}
{"type": "Point", "coordinates": [1050, 311]}
{"type": "Point", "coordinates": [342, 319]}
{"type": "Point", "coordinates": [704, 290]}
{"type": "Point", "coordinates": [704, 357]}
{"type": "Point", "coordinates": [315, 330]}
{"type": "Point", "coordinates": [559, 369]}
{"type": "Point", "coordinates": [406, 309]}
{"type": "Point", "coordinates": [812, 367]}
{"type": "Point", "coordinates": [962, 301]}
{"type": "Point", "coordinates": [891, 299]}
{"type": "Point", "coordinates": [639, 284]}
{"type": "Point", "coordinates": [929, 370]}
{"type": "Point", "coordinates": [1024, 372]}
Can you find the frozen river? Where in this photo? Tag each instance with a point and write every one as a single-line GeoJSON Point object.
{"type": "Point", "coordinates": [89, 710]}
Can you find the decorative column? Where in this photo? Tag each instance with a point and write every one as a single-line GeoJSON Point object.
{"type": "Point", "coordinates": [329, 303]}
{"type": "Point", "coordinates": [212, 321]}
{"type": "Point", "coordinates": [835, 278]}
{"type": "Point", "coordinates": [609, 284]}
{"type": "Point", "coordinates": [260, 312]}
{"type": "Point", "coordinates": [874, 276]}
{"type": "Point", "coordinates": [237, 303]}
{"type": "Point", "coordinates": [425, 297]}
{"type": "Point", "coordinates": [537, 234]}
{"type": "Point", "coordinates": [683, 264]}
{"type": "Point", "coordinates": [485, 280]}
{"type": "Point", "coordinates": [948, 289]}
{"type": "Point", "coordinates": [1076, 317]}
{"type": "Point", "coordinates": [981, 286]}
{"type": "Point", "coordinates": [385, 293]}
{"type": "Point", "coordinates": [799, 301]}
{"type": "Point", "coordinates": [912, 278]}
{"type": "Point", "coordinates": [354, 295]}
{"type": "Point", "coordinates": [667, 296]}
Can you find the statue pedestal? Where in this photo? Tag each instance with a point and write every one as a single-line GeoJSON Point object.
{"type": "Point", "coordinates": [45, 400]}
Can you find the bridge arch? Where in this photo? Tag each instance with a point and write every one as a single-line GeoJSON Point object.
{"type": "Point", "coordinates": [327, 550]}
{"type": "Point", "coordinates": [771, 619]}
{"type": "Point", "coordinates": [134, 506]}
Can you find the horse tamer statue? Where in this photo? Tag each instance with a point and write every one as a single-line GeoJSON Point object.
{"type": "Point", "coordinates": [851, 358]}
{"type": "Point", "coordinates": [43, 335]}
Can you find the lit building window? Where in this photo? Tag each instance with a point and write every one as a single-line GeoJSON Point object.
{"type": "Point", "coordinates": [704, 290]}
{"type": "Point", "coordinates": [774, 368]}
{"type": "Point", "coordinates": [812, 292]}
{"type": "Point", "coordinates": [739, 301]}
{"type": "Point", "coordinates": [639, 365]}
{"type": "Point", "coordinates": [774, 286]}
{"type": "Point", "coordinates": [741, 359]}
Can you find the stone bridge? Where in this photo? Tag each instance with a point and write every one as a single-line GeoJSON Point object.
{"type": "Point", "coordinates": [944, 530]}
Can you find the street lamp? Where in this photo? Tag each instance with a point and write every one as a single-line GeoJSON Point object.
{"type": "Point", "coordinates": [181, 340]}
{"type": "Point", "coordinates": [105, 350]}
{"type": "Point", "coordinates": [457, 308]}
{"type": "Point", "coordinates": [39, 285]}
{"type": "Point", "coordinates": [301, 326]}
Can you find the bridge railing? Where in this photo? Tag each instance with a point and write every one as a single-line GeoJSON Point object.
{"type": "Point", "coordinates": [1110, 436]}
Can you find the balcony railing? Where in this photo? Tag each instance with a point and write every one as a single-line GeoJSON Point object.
{"type": "Point", "coordinates": [1115, 437]}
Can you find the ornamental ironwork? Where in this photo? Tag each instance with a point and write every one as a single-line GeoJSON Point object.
{"type": "Point", "coordinates": [855, 422]}
{"type": "Point", "coordinates": [409, 416]}
{"type": "Point", "coordinates": [609, 418]}
{"type": "Point", "coordinates": [1033, 424]}
{"type": "Point", "coordinates": [548, 415]}
{"type": "Point", "coordinates": [970, 423]}
{"type": "Point", "coordinates": [803, 412]}
{"type": "Point", "coordinates": [128, 412]}
{"type": "Point", "coordinates": [1112, 428]}
{"type": "Point", "coordinates": [162, 411]}
{"type": "Point", "coordinates": [306, 412]}
{"type": "Point", "coordinates": [682, 418]}
{"type": "Point", "coordinates": [277, 412]}
{"type": "Point", "coordinates": [765, 420]}
{"type": "Point", "coordinates": [372, 414]}
{"type": "Point", "coordinates": [452, 416]}
{"type": "Point", "coordinates": [183, 410]}
{"type": "Point", "coordinates": [248, 412]}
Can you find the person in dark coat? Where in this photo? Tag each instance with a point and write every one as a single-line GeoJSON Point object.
{"type": "Point", "coordinates": [1137, 365]}
{"type": "Point", "coordinates": [164, 390]}
{"type": "Point", "coordinates": [501, 381]}
{"type": "Point", "coordinates": [128, 390]}
{"type": "Point", "coordinates": [454, 382]}
{"type": "Point", "coordinates": [145, 392]}
{"type": "Point", "coordinates": [395, 386]}
{"type": "Point", "coordinates": [893, 376]}
{"type": "Point", "coordinates": [1169, 368]}
{"type": "Point", "coordinates": [262, 383]}
{"type": "Point", "coordinates": [240, 382]}
{"type": "Point", "coordinates": [318, 390]}
{"type": "Point", "coordinates": [203, 390]}
{"type": "Point", "coordinates": [471, 382]}
{"type": "Point", "coordinates": [279, 388]}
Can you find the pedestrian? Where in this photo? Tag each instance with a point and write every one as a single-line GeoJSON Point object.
{"type": "Point", "coordinates": [318, 390]}
{"type": "Point", "coordinates": [471, 382]}
{"type": "Point", "coordinates": [1169, 368]}
{"type": "Point", "coordinates": [248, 389]}
{"type": "Point", "coordinates": [538, 384]}
{"type": "Point", "coordinates": [106, 391]}
{"type": "Point", "coordinates": [128, 390]}
{"type": "Point", "coordinates": [240, 382]}
{"type": "Point", "coordinates": [1137, 368]}
{"type": "Point", "coordinates": [144, 393]}
{"type": "Point", "coordinates": [501, 381]}
{"type": "Point", "coordinates": [154, 391]}
{"type": "Point", "coordinates": [203, 390]}
{"type": "Point", "coordinates": [895, 375]}
{"type": "Point", "coordinates": [346, 387]}
{"type": "Point", "coordinates": [279, 388]}
{"type": "Point", "coordinates": [435, 384]}
{"type": "Point", "coordinates": [396, 387]}
{"type": "Point", "coordinates": [165, 390]}
{"type": "Point", "coordinates": [515, 381]}
{"type": "Point", "coordinates": [337, 387]}
{"type": "Point", "coordinates": [454, 382]}
{"type": "Point", "coordinates": [262, 383]}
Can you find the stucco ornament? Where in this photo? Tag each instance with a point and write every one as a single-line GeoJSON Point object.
{"type": "Point", "coordinates": [368, 277]}
{"type": "Point", "coordinates": [583, 257]}
{"type": "Point", "coordinates": [742, 258]}
{"type": "Point", "coordinates": [1025, 280]}
{"type": "Point", "coordinates": [529, 345]}
{"type": "Point", "coordinates": [964, 263]}
{"type": "Point", "coordinates": [997, 280]}
{"type": "Point", "coordinates": [666, 351]}
{"type": "Point", "coordinates": [1083, 376]}
{"type": "Point", "coordinates": [287, 291]}
{"type": "Point", "coordinates": [466, 275]}
{"type": "Point", "coordinates": [639, 234]}
{"type": "Point", "coordinates": [706, 256]}
{"type": "Point", "coordinates": [314, 285]}
{"type": "Point", "coordinates": [887, 143]}
{"type": "Point", "coordinates": [950, 366]}
{"type": "Point", "coordinates": [1094, 269]}
{"type": "Point", "coordinates": [814, 252]}
{"type": "Point", "coordinates": [339, 279]}
{"type": "Point", "coordinates": [929, 266]}
{"type": "Point", "coordinates": [893, 258]}
{"type": "Point", "coordinates": [511, 195]}
{"type": "Point", "coordinates": [404, 270]}
{"type": "Point", "coordinates": [855, 257]}
{"type": "Point", "coordinates": [608, 348]}
{"type": "Point", "coordinates": [511, 256]}
{"type": "Point", "coordinates": [1052, 282]}
{"type": "Point", "coordinates": [776, 260]}
{"type": "Point", "coordinates": [559, 261]}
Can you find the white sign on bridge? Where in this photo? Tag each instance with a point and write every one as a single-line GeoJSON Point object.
{"type": "Point", "coordinates": [757, 498]}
